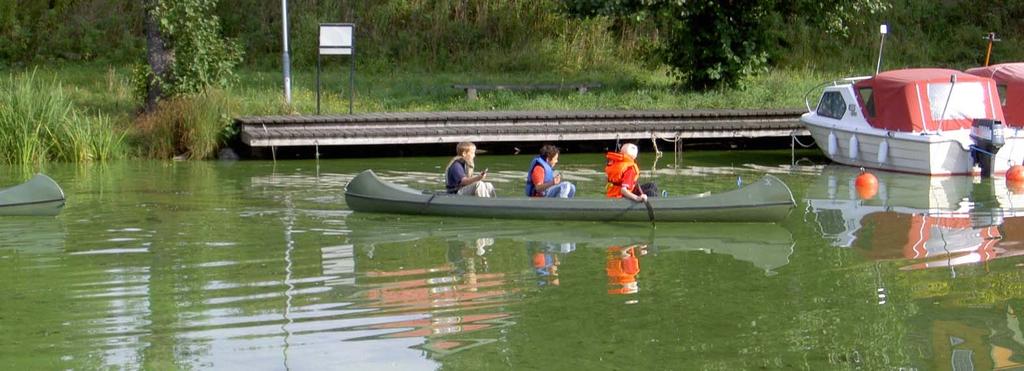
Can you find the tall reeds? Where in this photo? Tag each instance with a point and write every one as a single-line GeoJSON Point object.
{"type": "Point", "coordinates": [39, 123]}
{"type": "Point", "coordinates": [193, 126]}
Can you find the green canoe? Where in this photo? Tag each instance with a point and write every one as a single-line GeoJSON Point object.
{"type": "Point", "coordinates": [767, 200]}
{"type": "Point", "coordinates": [40, 196]}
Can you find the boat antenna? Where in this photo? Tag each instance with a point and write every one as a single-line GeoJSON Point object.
{"type": "Point", "coordinates": [991, 37]}
{"type": "Point", "coordinates": [952, 82]}
{"type": "Point", "coordinates": [884, 29]}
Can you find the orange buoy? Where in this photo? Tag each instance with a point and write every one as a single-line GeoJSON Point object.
{"type": "Point", "coordinates": [867, 185]}
{"type": "Point", "coordinates": [1015, 186]}
{"type": "Point", "coordinates": [1015, 174]}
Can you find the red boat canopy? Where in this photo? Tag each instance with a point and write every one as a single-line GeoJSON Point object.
{"type": "Point", "coordinates": [1010, 78]}
{"type": "Point", "coordinates": [916, 100]}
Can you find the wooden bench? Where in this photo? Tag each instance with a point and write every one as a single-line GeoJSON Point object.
{"type": "Point", "coordinates": [471, 89]}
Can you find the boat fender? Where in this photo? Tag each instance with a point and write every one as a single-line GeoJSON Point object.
{"type": "Point", "coordinates": [854, 147]}
{"type": "Point", "coordinates": [833, 144]}
{"type": "Point", "coordinates": [883, 151]}
{"type": "Point", "coordinates": [832, 186]}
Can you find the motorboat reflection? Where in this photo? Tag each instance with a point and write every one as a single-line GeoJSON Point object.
{"type": "Point", "coordinates": [943, 221]}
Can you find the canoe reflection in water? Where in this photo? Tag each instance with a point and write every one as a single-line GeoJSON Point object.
{"type": "Point", "coordinates": [448, 285]}
{"type": "Point", "coordinates": [434, 301]}
{"type": "Point", "coordinates": [933, 221]}
{"type": "Point", "coordinates": [766, 246]}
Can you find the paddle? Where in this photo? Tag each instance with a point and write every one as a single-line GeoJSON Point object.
{"type": "Point", "coordinates": [650, 210]}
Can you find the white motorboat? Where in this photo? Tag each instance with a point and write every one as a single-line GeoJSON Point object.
{"type": "Point", "coordinates": [923, 121]}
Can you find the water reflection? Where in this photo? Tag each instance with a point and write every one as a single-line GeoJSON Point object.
{"type": "Point", "coordinates": [622, 267]}
{"type": "Point", "coordinates": [31, 236]}
{"type": "Point", "coordinates": [766, 246]}
{"type": "Point", "coordinates": [453, 285]}
{"type": "Point", "coordinates": [931, 221]}
{"type": "Point", "coordinates": [544, 258]}
{"type": "Point", "coordinates": [441, 298]}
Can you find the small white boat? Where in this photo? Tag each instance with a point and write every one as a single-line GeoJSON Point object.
{"type": "Point", "coordinates": [923, 121]}
{"type": "Point", "coordinates": [1010, 81]}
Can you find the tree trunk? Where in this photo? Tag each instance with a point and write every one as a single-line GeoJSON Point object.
{"type": "Point", "coordinates": [160, 58]}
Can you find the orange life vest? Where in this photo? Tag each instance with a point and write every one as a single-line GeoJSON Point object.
{"type": "Point", "coordinates": [622, 270]}
{"type": "Point", "coordinates": [617, 165]}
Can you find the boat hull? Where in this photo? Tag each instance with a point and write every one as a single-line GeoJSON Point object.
{"type": "Point", "coordinates": [768, 200]}
{"type": "Point", "coordinates": [930, 154]}
{"type": "Point", "coordinates": [40, 196]}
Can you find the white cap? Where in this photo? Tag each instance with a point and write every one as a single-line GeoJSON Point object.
{"type": "Point", "coordinates": [629, 149]}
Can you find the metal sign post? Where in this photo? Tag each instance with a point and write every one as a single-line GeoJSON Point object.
{"type": "Point", "coordinates": [286, 63]}
{"type": "Point", "coordinates": [337, 39]}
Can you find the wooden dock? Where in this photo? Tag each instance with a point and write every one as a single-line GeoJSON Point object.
{"type": "Point", "coordinates": [517, 126]}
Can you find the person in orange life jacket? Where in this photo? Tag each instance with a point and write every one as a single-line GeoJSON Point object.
{"type": "Point", "coordinates": [623, 175]}
{"type": "Point", "coordinates": [459, 178]}
{"type": "Point", "coordinates": [622, 265]}
{"type": "Point", "coordinates": [542, 181]}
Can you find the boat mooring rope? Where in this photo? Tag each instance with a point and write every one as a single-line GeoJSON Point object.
{"type": "Point", "coordinates": [273, 149]}
{"type": "Point", "coordinates": [677, 147]}
{"type": "Point", "coordinates": [793, 141]}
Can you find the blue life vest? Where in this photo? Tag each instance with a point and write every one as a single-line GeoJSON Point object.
{"type": "Point", "coordinates": [549, 174]}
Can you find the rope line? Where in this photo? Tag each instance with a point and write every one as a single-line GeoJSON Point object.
{"type": "Point", "coordinates": [797, 140]}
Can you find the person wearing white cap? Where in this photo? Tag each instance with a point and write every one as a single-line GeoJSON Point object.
{"type": "Point", "coordinates": [624, 174]}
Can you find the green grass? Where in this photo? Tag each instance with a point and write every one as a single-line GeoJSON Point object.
{"type": "Point", "coordinates": [105, 89]}
{"type": "Point", "coordinates": [100, 98]}
{"type": "Point", "coordinates": [39, 123]}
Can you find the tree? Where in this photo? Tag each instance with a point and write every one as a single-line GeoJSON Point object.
{"type": "Point", "coordinates": [158, 56]}
{"type": "Point", "coordinates": [184, 49]}
{"type": "Point", "coordinates": [716, 43]}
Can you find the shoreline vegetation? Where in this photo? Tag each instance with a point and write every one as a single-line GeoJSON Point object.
{"type": "Point", "coordinates": [74, 97]}
{"type": "Point", "coordinates": [99, 99]}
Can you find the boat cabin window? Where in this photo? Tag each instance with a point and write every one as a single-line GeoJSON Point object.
{"type": "Point", "coordinates": [832, 105]}
{"type": "Point", "coordinates": [959, 101]}
{"type": "Point", "coordinates": [869, 100]}
{"type": "Point", "coordinates": [1002, 94]}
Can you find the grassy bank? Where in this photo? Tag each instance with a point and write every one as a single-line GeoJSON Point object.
{"type": "Point", "coordinates": [106, 90]}
{"type": "Point", "coordinates": [99, 104]}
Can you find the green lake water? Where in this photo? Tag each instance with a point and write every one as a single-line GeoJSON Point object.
{"type": "Point", "coordinates": [256, 265]}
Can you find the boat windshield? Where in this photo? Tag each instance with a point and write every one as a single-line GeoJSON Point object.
{"type": "Point", "coordinates": [965, 100]}
{"type": "Point", "coordinates": [869, 100]}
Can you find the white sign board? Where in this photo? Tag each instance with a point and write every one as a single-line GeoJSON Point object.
{"type": "Point", "coordinates": [336, 39]}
